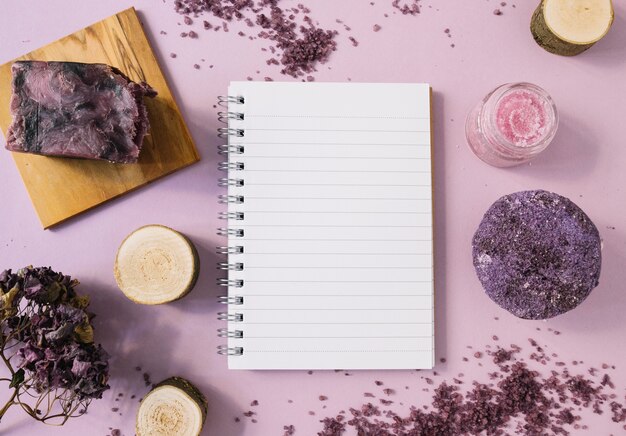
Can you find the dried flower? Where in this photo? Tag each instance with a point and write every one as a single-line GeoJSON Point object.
{"type": "Point", "coordinates": [47, 329]}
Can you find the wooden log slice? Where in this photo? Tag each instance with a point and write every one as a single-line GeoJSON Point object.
{"type": "Point", "coordinates": [175, 407]}
{"type": "Point", "coordinates": [156, 265]}
{"type": "Point", "coordinates": [569, 27]}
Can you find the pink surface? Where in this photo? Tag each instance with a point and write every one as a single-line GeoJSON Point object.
{"type": "Point", "coordinates": [583, 163]}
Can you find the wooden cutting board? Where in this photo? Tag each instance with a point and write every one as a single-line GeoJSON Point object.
{"type": "Point", "coordinates": [61, 188]}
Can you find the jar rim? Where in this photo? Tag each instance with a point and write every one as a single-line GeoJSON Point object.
{"type": "Point", "coordinates": [487, 118]}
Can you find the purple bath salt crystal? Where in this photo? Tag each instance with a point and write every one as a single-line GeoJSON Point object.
{"type": "Point", "coordinates": [537, 254]}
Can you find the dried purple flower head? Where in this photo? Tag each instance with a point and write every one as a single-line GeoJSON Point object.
{"type": "Point", "coordinates": [44, 318]}
{"type": "Point", "coordinates": [537, 254]}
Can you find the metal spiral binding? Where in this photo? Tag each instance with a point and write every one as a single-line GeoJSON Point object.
{"type": "Point", "coordinates": [230, 283]}
{"type": "Point", "coordinates": [223, 117]}
{"type": "Point", "coordinates": [223, 132]}
{"type": "Point", "coordinates": [225, 266]}
{"type": "Point", "coordinates": [232, 351]}
{"type": "Point", "coordinates": [224, 199]}
{"type": "Point", "coordinates": [224, 231]}
{"type": "Point", "coordinates": [225, 182]}
{"type": "Point", "coordinates": [227, 166]}
{"type": "Point", "coordinates": [237, 249]}
{"type": "Point", "coordinates": [236, 300]}
{"type": "Point", "coordinates": [230, 149]}
{"type": "Point", "coordinates": [231, 216]}
{"type": "Point", "coordinates": [225, 100]}
{"type": "Point", "coordinates": [232, 317]}
{"type": "Point", "coordinates": [225, 333]}
{"type": "Point", "coordinates": [233, 197]}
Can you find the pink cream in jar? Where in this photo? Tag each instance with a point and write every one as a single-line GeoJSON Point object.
{"type": "Point", "coordinates": [512, 125]}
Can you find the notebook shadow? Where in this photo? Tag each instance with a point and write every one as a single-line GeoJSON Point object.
{"type": "Point", "coordinates": [124, 331]}
{"type": "Point", "coordinates": [439, 226]}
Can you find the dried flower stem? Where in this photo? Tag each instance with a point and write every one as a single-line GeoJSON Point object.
{"type": "Point", "coordinates": [9, 403]}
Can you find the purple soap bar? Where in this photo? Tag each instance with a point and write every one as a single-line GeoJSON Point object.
{"type": "Point", "coordinates": [537, 254]}
{"type": "Point", "coordinates": [71, 109]}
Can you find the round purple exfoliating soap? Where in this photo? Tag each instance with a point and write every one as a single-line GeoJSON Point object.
{"type": "Point", "coordinates": [537, 254]}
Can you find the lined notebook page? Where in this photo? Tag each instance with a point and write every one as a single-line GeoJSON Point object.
{"type": "Point", "coordinates": [338, 261]}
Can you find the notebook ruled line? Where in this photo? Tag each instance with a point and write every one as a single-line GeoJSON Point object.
{"type": "Point", "coordinates": [322, 225]}
{"type": "Point", "coordinates": [338, 267]}
{"type": "Point", "coordinates": [336, 116]}
{"type": "Point", "coordinates": [386, 144]}
{"type": "Point", "coordinates": [324, 309]}
{"type": "Point", "coordinates": [338, 295]}
{"type": "Point", "coordinates": [337, 281]}
{"type": "Point", "coordinates": [337, 212]}
{"type": "Point", "coordinates": [337, 171]}
{"type": "Point", "coordinates": [333, 184]}
{"type": "Point", "coordinates": [339, 198]}
{"type": "Point", "coordinates": [336, 337]}
{"type": "Point", "coordinates": [247, 156]}
{"type": "Point", "coordinates": [337, 351]}
{"type": "Point", "coordinates": [335, 323]}
{"type": "Point", "coordinates": [342, 240]}
{"type": "Point", "coordinates": [307, 253]}
{"type": "Point", "coordinates": [338, 130]}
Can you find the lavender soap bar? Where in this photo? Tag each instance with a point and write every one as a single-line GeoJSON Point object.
{"type": "Point", "coordinates": [537, 254]}
{"type": "Point", "coordinates": [77, 110]}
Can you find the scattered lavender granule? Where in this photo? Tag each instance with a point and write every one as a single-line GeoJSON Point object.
{"type": "Point", "coordinates": [146, 379]}
{"type": "Point", "coordinates": [516, 399]}
{"type": "Point", "coordinates": [407, 7]}
{"type": "Point", "coordinates": [291, 32]}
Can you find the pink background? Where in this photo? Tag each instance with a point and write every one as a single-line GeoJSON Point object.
{"type": "Point", "coordinates": [584, 163]}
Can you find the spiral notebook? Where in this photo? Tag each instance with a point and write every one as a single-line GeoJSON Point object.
{"type": "Point", "coordinates": [329, 226]}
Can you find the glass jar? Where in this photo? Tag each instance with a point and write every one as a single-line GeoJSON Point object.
{"type": "Point", "coordinates": [512, 125]}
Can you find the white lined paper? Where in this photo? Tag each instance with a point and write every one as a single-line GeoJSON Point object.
{"type": "Point", "coordinates": [337, 234]}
